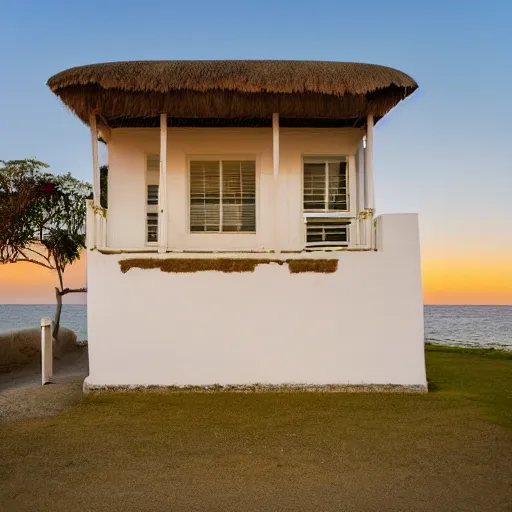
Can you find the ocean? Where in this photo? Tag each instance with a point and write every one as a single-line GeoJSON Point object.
{"type": "Point", "coordinates": [468, 326]}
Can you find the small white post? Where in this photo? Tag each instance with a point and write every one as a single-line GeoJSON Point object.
{"type": "Point", "coordinates": [275, 160]}
{"type": "Point", "coordinates": [46, 350]}
{"type": "Point", "coordinates": [162, 187]}
{"type": "Point", "coordinates": [95, 163]}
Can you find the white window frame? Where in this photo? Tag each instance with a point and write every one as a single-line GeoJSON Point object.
{"type": "Point", "coordinates": [319, 246]}
{"type": "Point", "coordinates": [218, 158]}
{"type": "Point", "coordinates": [351, 213]}
{"type": "Point", "coordinates": [146, 155]}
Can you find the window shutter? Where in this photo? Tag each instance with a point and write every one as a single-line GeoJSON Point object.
{"type": "Point", "coordinates": [204, 196]}
{"type": "Point", "coordinates": [152, 181]}
{"type": "Point", "coordinates": [238, 195]}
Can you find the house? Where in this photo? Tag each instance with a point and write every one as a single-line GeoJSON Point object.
{"type": "Point", "coordinates": [240, 246]}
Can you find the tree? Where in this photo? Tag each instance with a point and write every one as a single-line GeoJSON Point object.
{"type": "Point", "coordinates": [104, 186]}
{"type": "Point", "coordinates": [42, 219]}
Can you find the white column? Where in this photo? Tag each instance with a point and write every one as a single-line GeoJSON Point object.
{"type": "Point", "coordinates": [275, 164]}
{"type": "Point", "coordinates": [369, 184]}
{"type": "Point", "coordinates": [360, 191]}
{"type": "Point", "coordinates": [95, 163]}
{"type": "Point", "coordinates": [360, 176]}
{"type": "Point", "coordinates": [368, 161]}
{"type": "Point", "coordinates": [162, 187]}
{"type": "Point", "coordinates": [46, 350]}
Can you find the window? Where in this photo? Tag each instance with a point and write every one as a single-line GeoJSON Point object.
{"type": "Point", "coordinates": [152, 180]}
{"type": "Point", "coordinates": [325, 198]}
{"type": "Point", "coordinates": [322, 232]}
{"type": "Point", "coordinates": [222, 196]}
{"type": "Point", "coordinates": [325, 184]}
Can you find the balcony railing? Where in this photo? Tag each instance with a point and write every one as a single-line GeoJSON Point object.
{"type": "Point", "coordinates": [96, 226]}
{"type": "Point", "coordinates": [337, 231]}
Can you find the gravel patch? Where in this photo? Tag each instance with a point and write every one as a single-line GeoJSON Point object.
{"type": "Point", "coordinates": [22, 396]}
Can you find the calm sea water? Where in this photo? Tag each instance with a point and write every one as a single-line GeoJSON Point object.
{"type": "Point", "coordinates": [20, 316]}
{"type": "Point", "coordinates": [476, 326]}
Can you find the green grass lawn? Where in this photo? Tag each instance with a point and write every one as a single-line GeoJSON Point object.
{"type": "Point", "coordinates": [448, 450]}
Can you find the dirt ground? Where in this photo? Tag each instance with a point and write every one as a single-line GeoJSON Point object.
{"type": "Point", "coordinates": [23, 397]}
{"type": "Point", "coordinates": [448, 450]}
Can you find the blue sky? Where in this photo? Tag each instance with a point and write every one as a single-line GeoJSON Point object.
{"type": "Point", "coordinates": [443, 152]}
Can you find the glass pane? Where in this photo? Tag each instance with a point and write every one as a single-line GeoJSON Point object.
{"type": "Point", "coordinates": [338, 186]}
{"type": "Point", "coordinates": [204, 195]}
{"type": "Point", "coordinates": [152, 195]}
{"type": "Point", "coordinates": [314, 186]}
{"type": "Point", "coordinates": [322, 232]}
{"type": "Point", "coordinates": [152, 227]}
{"type": "Point", "coordinates": [238, 195]}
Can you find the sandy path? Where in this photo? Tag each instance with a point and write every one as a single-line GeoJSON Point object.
{"type": "Point", "coordinates": [22, 395]}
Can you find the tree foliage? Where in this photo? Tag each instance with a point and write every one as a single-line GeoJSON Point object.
{"type": "Point", "coordinates": [42, 217]}
{"type": "Point", "coordinates": [41, 210]}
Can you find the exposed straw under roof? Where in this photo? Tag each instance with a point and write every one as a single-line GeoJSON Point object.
{"type": "Point", "coordinates": [196, 92]}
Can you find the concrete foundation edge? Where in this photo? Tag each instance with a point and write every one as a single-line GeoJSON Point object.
{"type": "Point", "coordinates": [259, 388]}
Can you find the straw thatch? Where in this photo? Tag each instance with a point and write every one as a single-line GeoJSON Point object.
{"type": "Point", "coordinates": [227, 265]}
{"type": "Point", "coordinates": [192, 90]}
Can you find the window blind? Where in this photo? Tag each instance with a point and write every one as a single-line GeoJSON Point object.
{"type": "Point", "coordinates": [222, 196]}
{"type": "Point", "coordinates": [204, 196]}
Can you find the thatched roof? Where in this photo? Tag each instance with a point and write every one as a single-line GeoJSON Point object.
{"type": "Point", "coordinates": [198, 92]}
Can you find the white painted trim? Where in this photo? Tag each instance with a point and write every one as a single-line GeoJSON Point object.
{"type": "Point", "coordinates": [325, 160]}
{"type": "Point", "coordinates": [162, 187]}
{"type": "Point", "coordinates": [351, 212]}
{"type": "Point", "coordinates": [95, 163]}
{"type": "Point", "coordinates": [328, 215]}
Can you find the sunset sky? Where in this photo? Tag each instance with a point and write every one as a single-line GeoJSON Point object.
{"type": "Point", "coordinates": [444, 152]}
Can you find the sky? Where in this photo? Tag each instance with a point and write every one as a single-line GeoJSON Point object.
{"type": "Point", "coordinates": [444, 152]}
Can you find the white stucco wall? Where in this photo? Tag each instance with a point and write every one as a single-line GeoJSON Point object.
{"type": "Point", "coordinates": [126, 157]}
{"type": "Point", "coordinates": [360, 325]}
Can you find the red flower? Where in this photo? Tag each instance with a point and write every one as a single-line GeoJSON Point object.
{"type": "Point", "coordinates": [49, 188]}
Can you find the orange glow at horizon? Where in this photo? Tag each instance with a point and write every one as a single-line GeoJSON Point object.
{"type": "Point", "coordinates": [466, 281]}
{"type": "Point", "coordinates": [27, 283]}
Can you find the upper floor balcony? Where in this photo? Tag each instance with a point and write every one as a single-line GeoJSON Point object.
{"type": "Point", "coordinates": [263, 156]}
